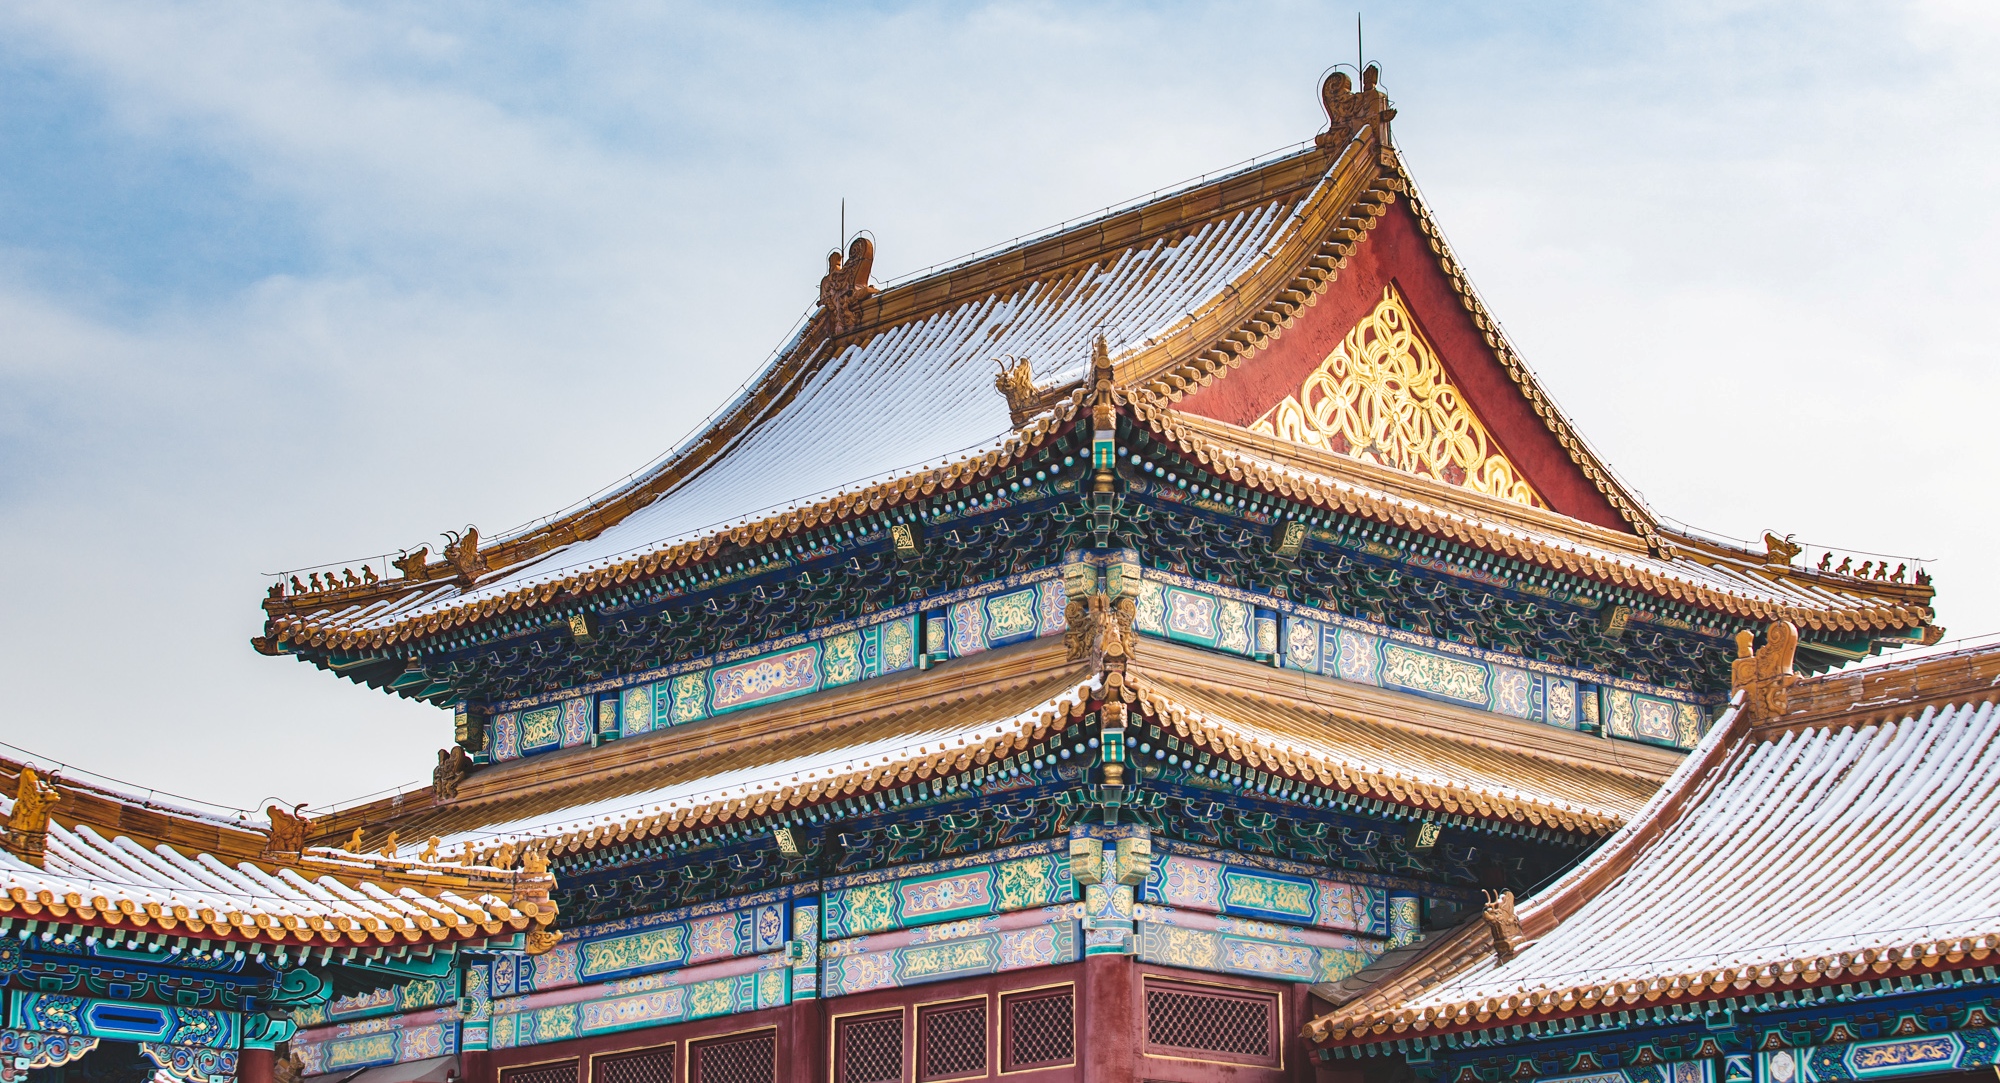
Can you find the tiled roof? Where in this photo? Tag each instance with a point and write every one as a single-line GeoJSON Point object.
{"type": "Point", "coordinates": [1855, 835]}
{"type": "Point", "coordinates": [916, 376]}
{"type": "Point", "coordinates": [1433, 756]}
{"type": "Point", "coordinates": [1703, 574]}
{"type": "Point", "coordinates": [861, 739]}
{"type": "Point", "coordinates": [849, 740]}
{"type": "Point", "coordinates": [1183, 289]}
{"type": "Point", "coordinates": [320, 898]}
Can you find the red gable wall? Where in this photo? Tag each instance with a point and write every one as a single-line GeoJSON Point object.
{"type": "Point", "coordinates": [1396, 251]}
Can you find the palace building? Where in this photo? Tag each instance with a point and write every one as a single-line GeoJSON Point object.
{"type": "Point", "coordinates": [1134, 654]}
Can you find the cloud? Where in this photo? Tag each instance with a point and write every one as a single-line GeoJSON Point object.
{"type": "Point", "coordinates": [303, 284]}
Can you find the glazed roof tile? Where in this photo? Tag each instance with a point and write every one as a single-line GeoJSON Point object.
{"type": "Point", "coordinates": [1384, 746]}
{"type": "Point", "coordinates": [1697, 572]}
{"type": "Point", "coordinates": [1856, 835]}
{"type": "Point", "coordinates": [702, 774]}
{"type": "Point", "coordinates": [861, 739]}
{"type": "Point", "coordinates": [1183, 288]}
{"type": "Point", "coordinates": [322, 897]}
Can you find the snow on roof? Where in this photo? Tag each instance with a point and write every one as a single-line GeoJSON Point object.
{"type": "Point", "coordinates": [1844, 833]}
{"type": "Point", "coordinates": [320, 898]}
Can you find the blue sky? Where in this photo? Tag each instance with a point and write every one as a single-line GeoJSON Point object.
{"type": "Point", "coordinates": [285, 285]}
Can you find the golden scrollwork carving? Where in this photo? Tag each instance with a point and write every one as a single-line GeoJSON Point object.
{"type": "Point", "coordinates": [1384, 395]}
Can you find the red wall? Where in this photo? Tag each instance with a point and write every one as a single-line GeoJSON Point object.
{"type": "Point", "coordinates": [1110, 1036]}
{"type": "Point", "coordinates": [1397, 252]}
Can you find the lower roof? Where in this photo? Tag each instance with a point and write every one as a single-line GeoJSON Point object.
{"type": "Point", "coordinates": [1433, 756]}
{"type": "Point", "coordinates": [1856, 834]}
{"type": "Point", "coordinates": [322, 898]}
{"type": "Point", "coordinates": [942, 721]}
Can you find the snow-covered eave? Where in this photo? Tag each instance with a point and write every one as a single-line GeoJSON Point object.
{"type": "Point", "coordinates": [1423, 505]}
{"type": "Point", "coordinates": [432, 613]}
{"type": "Point", "coordinates": [789, 783]}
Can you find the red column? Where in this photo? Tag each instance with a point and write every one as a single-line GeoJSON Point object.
{"type": "Point", "coordinates": [475, 1066]}
{"type": "Point", "coordinates": [254, 1065]}
{"type": "Point", "coordinates": [803, 1043]}
{"type": "Point", "coordinates": [1108, 1025]}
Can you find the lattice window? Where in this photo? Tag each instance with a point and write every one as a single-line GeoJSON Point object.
{"type": "Point", "coordinates": [951, 1041]}
{"type": "Point", "coordinates": [1038, 1029]}
{"type": "Point", "coordinates": [742, 1058]}
{"type": "Point", "coordinates": [562, 1071]}
{"type": "Point", "coordinates": [1223, 1023]}
{"type": "Point", "coordinates": [869, 1049]}
{"type": "Point", "coordinates": [641, 1066]}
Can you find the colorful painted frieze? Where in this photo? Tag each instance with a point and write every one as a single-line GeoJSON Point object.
{"type": "Point", "coordinates": [394, 1039]}
{"type": "Point", "coordinates": [1960, 1050]}
{"type": "Point", "coordinates": [658, 942]}
{"type": "Point", "coordinates": [1042, 937]}
{"type": "Point", "coordinates": [934, 896]}
{"type": "Point", "coordinates": [1186, 610]}
{"type": "Point", "coordinates": [950, 625]}
{"type": "Point", "coordinates": [1654, 719]}
{"type": "Point", "coordinates": [124, 1021]}
{"type": "Point", "coordinates": [702, 992]}
{"type": "Point", "coordinates": [1226, 945]}
{"type": "Point", "coordinates": [1189, 615]}
{"type": "Point", "coordinates": [983, 623]}
{"type": "Point", "coordinates": [700, 691]}
{"type": "Point", "coordinates": [1218, 888]}
{"type": "Point", "coordinates": [407, 997]}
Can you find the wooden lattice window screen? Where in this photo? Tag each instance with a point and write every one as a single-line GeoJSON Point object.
{"type": "Point", "coordinates": [869, 1049]}
{"type": "Point", "coordinates": [1212, 1023]}
{"type": "Point", "coordinates": [951, 1041]}
{"type": "Point", "coordinates": [1038, 1028]}
{"type": "Point", "coordinates": [739, 1058]}
{"type": "Point", "coordinates": [641, 1066]}
{"type": "Point", "coordinates": [561, 1071]}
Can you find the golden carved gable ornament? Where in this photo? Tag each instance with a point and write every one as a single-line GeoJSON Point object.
{"type": "Point", "coordinates": [1383, 395]}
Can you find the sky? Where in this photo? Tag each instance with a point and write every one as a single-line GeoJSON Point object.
{"type": "Point", "coordinates": [286, 285]}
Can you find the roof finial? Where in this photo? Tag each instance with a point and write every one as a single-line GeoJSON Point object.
{"type": "Point", "coordinates": [28, 825]}
{"type": "Point", "coordinates": [1765, 676]}
{"type": "Point", "coordinates": [846, 283]}
{"type": "Point", "coordinates": [1347, 110]}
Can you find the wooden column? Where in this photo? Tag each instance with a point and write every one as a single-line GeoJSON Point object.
{"type": "Point", "coordinates": [253, 1065]}
{"type": "Point", "coordinates": [1108, 1020]}
{"type": "Point", "coordinates": [802, 1043]}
